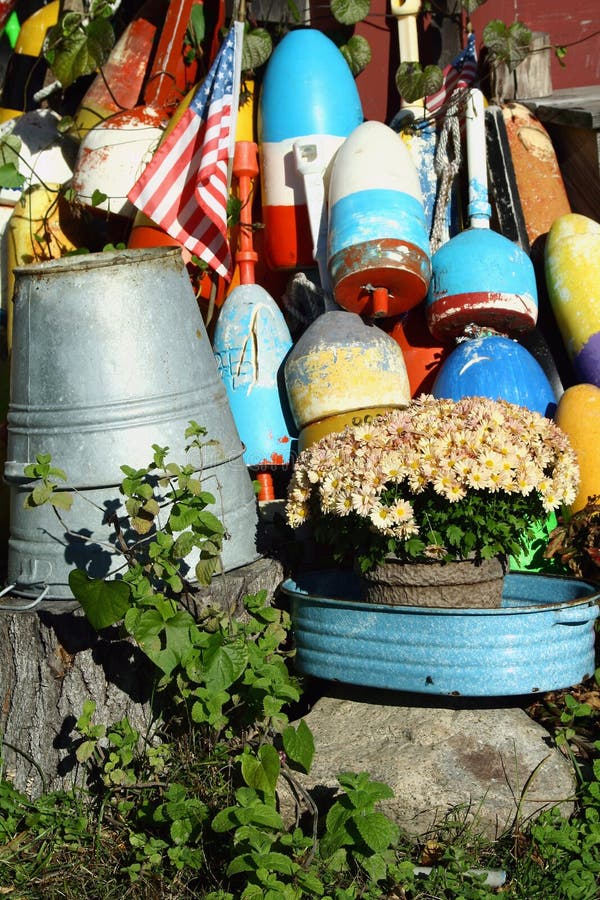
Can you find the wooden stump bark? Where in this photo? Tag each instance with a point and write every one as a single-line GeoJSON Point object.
{"type": "Point", "coordinates": [51, 661]}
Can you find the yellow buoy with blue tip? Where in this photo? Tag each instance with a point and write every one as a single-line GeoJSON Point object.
{"type": "Point", "coordinates": [572, 266]}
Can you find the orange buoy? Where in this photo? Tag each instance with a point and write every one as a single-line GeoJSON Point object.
{"type": "Point", "coordinates": [539, 179]}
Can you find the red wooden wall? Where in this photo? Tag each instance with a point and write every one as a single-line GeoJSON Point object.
{"type": "Point", "coordinates": [570, 24]}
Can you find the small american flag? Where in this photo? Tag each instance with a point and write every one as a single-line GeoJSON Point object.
{"type": "Point", "coordinates": [185, 186]}
{"type": "Point", "coordinates": [458, 76]}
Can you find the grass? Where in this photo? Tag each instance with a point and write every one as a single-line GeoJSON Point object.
{"type": "Point", "coordinates": [71, 846]}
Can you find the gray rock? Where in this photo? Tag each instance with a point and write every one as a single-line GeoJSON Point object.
{"type": "Point", "coordinates": [493, 767]}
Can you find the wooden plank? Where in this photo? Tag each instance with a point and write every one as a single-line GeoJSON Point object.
{"type": "Point", "coordinates": [530, 79]}
{"type": "Point", "coordinates": [572, 119]}
{"type": "Point", "coordinates": [576, 107]}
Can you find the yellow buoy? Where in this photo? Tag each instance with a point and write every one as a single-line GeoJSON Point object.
{"type": "Point", "coordinates": [572, 264]}
{"type": "Point", "coordinates": [34, 234]}
{"type": "Point", "coordinates": [578, 415]}
{"type": "Point", "coordinates": [26, 66]}
{"type": "Point", "coordinates": [340, 365]}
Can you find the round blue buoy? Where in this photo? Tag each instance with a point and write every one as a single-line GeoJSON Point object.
{"type": "Point", "coordinates": [497, 367]}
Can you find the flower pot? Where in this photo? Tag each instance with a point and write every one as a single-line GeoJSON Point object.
{"type": "Point", "coordinates": [461, 584]}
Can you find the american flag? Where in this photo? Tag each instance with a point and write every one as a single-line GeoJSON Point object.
{"type": "Point", "coordinates": [185, 186]}
{"type": "Point", "coordinates": [458, 76]}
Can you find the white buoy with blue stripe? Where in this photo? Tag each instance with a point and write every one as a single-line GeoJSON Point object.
{"type": "Point", "coordinates": [378, 245]}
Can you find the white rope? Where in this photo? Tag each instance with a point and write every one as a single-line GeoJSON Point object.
{"type": "Point", "coordinates": [446, 165]}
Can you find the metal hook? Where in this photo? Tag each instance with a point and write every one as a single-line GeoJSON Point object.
{"type": "Point", "coordinates": [25, 606]}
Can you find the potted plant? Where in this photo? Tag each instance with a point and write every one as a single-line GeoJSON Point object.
{"type": "Point", "coordinates": [436, 494]}
{"type": "Point", "coordinates": [575, 542]}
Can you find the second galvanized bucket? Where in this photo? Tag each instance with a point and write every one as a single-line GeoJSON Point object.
{"type": "Point", "coordinates": [110, 356]}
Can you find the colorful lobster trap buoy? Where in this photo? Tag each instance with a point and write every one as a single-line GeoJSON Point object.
{"type": "Point", "coordinates": [308, 95]}
{"type": "Point", "coordinates": [378, 246]}
{"type": "Point", "coordinates": [479, 276]}
{"type": "Point", "coordinates": [497, 367]}
{"type": "Point", "coordinates": [250, 343]}
{"type": "Point", "coordinates": [341, 372]}
{"type": "Point", "coordinates": [539, 180]}
{"type": "Point", "coordinates": [572, 266]}
{"type": "Point", "coordinates": [422, 353]}
{"type": "Point", "coordinates": [26, 67]}
{"type": "Point", "coordinates": [578, 415]}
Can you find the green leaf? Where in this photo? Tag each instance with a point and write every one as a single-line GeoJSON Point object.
{"type": "Point", "coordinates": [103, 602]}
{"type": "Point", "coordinates": [208, 524]}
{"type": "Point", "coordinates": [164, 642]}
{"type": "Point", "coordinates": [225, 820]}
{"type": "Point", "coordinates": [41, 493]}
{"type": "Point", "coordinates": [243, 862]}
{"type": "Point", "coordinates": [10, 177]}
{"type": "Point", "coordinates": [349, 12]}
{"type": "Point", "coordinates": [98, 197]}
{"type": "Point", "coordinates": [85, 751]}
{"type": "Point", "coordinates": [509, 44]}
{"type": "Point", "coordinates": [180, 831]}
{"type": "Point", "coordinates": [363, 787]}
{"type": "Point", "coordinates": [223, 665]}
{"type": "Point", "coordinates": [196, 27]}
{"type": "Point", "coordinates": [276, 862]}
{"type": "Point", "coordinates": [414, 83]}
{"type": "Point", "coordinates": [337, 834]}
{"type": "Point", "coordinates": [182, 516]}
{"type": "Point", "coordinates": [75, 51]}
{"type": "Point", "coordinates": [357, 53]}
{"type": "Point", "coordinates": [10, 148]}
{"type": "Point", "coordinates": [205, 569]}
{"type": "Point", "coordinates": [61, 499]}
{"type": "Point", "coordinates": [184, 544]}
{"type": "Point", "coordinates": [377, 831]}
{"type": "Point", "coordinates": [257, 48]}
{"type": "Point", "coordinates": [375, 866]}
{"type": "Point", "coordinates": [87, 711]}
{"type": "Point", "coordinates": [262, 771]}
{"type": "Point", "coordinates": [299, 746]}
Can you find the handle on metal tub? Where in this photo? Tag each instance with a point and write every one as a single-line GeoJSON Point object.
{"type": "Point", "coordinates": [578, 615]}
{"type": "Point", "coordinates": [5, 607]}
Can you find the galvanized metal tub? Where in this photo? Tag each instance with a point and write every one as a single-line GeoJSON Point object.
{"type": "Point", "coordinates": [541, 639]}
{"type": "Point", "coordinates": [110, 356]}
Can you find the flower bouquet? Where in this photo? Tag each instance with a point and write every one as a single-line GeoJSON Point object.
{"type": "Point", "coordinates": [440, 480]}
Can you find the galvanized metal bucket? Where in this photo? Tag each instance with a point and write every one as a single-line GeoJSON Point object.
{"type": "Point", "coordinates": [110, 356]}
{"type": "Point", "coordinates": [541, 639]}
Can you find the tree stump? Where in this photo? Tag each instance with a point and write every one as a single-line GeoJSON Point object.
{"type": "Point", "coordinates": [52, 660]}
